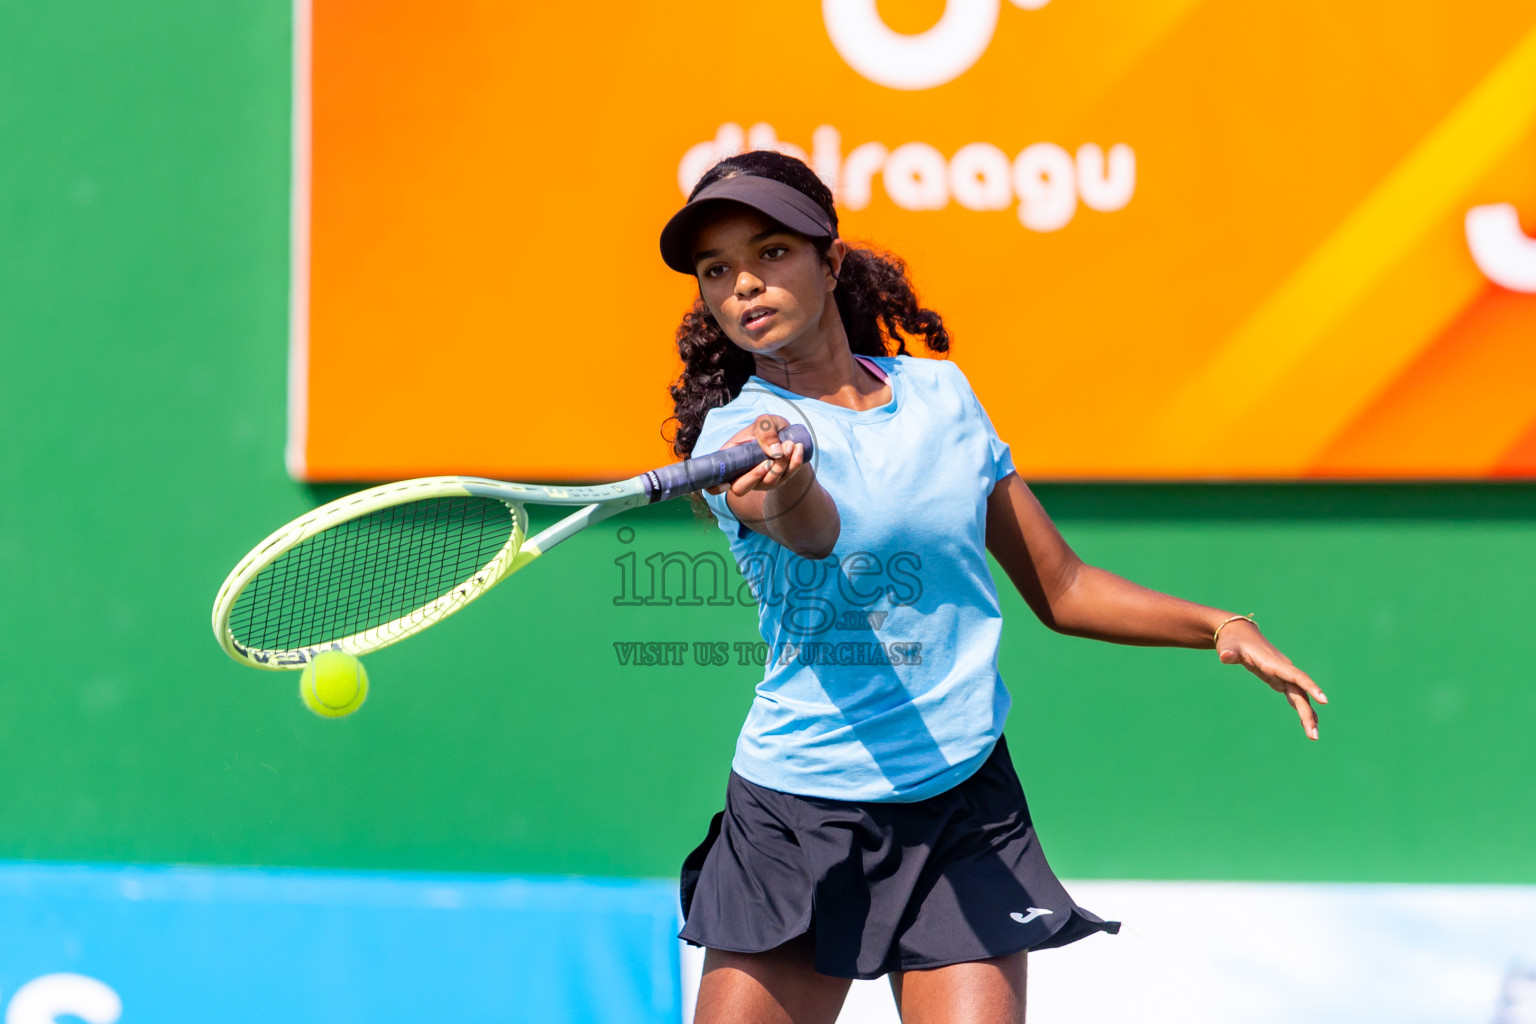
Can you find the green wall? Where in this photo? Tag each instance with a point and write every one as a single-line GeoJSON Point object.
{"type": "Point", "coordinates": [143, 253]}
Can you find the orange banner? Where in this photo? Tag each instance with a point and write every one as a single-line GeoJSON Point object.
{"type": "Point", "coordinates": [1174, 239]}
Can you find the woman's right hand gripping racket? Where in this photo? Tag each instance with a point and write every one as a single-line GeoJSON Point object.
{"type": "Point", "coordinates": [375, 567]}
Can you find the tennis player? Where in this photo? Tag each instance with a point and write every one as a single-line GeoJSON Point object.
{"type": "Point", "coordinates": [873, 822]}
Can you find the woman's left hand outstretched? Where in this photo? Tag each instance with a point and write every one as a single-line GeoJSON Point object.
{"type": "Point", "coordinates": [1242, 644]}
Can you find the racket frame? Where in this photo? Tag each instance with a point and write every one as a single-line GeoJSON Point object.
{"type": "Point", "coordinates": [599, 502]}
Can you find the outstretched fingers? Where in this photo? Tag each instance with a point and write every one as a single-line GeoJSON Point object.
{"type": "Point", "coordinates": [1285, 679]}
{"type": "Point", "coordinates": [1304, 709]}
{"type": "Point", "coordinates": [1296, 677]}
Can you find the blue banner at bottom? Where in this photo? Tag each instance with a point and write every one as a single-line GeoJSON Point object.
{"type": "Point", "coordinates": [125, 945]}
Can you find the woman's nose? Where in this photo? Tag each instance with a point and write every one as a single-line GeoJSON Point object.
{"type": "Point", "coordinates": [747, 285]}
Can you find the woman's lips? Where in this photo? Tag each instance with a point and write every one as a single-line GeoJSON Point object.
{"type": "Point", "coordinates": [757, 319]}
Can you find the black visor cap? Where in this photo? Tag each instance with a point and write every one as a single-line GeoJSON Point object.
{"type": "Point", "coordinates": [773, 199]}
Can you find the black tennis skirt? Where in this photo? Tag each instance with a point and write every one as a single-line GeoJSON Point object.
{"type": "Point", "coordinates": [881, 887]}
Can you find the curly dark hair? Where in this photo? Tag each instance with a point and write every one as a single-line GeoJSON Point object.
{"type": "Point", "coordinates": [876, 301]}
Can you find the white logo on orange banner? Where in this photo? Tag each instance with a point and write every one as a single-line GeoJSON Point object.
{"type": "Point", "coordinates": [1048, 181]}
{"type": "Point", "coordinates": [922, 61]}
{"type": "Point", "coordinates": [1502, 251]}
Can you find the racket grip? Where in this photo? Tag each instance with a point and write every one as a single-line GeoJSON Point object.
{"type": "Point", "coordinates": [719, 467]}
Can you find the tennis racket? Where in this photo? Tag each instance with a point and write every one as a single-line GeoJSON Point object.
{"type": "Point", "coordinates": [375, 567]}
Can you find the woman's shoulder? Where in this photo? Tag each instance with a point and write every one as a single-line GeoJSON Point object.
{"type": "Point", "coordinates": [746, 398]}
{"type": "Point", "coordinates": [723, 421]}
{"type": "Point", "coordinates": [920, 368]}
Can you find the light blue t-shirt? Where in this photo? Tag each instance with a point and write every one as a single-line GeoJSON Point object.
{"type": "Point", "coordinates": [881, 681]}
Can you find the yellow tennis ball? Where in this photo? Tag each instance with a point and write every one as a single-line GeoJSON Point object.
{"type": "Point", "coordinates": [334, 684]}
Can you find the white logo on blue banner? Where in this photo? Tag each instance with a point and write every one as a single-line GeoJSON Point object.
{"type": "Point", "coordinates": [248, 946]}
{"type": "Point", "coordinates": [44, 1000]}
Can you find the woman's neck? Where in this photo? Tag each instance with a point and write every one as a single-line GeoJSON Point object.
{"type": "Point", "coordinates": [823, 367]}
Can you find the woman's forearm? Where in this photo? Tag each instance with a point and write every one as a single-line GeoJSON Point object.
{"type": "Point", "coordinates": [1073, 597]}
{"type": "Point", "coordinates": [1102, 606]}
{"type": "Point", "coordinates": [780, 497]}
{"type": "Point", "coordinates": [802, 516]}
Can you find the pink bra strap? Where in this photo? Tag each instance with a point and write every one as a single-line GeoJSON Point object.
{"type": "Point", "coordinates": [873, 368]}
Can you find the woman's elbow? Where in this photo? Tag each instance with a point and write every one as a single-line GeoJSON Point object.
{"type": "Point", "coordinates": [816, 548]}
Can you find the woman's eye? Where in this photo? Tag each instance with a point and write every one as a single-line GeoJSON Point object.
{"type": "Point", "coordinates": [773, 252]}
{"type": "Point", "coordinates": [715, 271]}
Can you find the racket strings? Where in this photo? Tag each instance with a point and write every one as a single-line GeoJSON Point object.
{"type": "Point", "coordinates": [370, 571]}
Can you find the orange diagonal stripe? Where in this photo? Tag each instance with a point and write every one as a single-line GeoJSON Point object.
{"type": "Point", "coordinates": [1299, 316]}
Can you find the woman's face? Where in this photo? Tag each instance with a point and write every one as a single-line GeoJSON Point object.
{"type": "Point", "coordinates": [765, 285]}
